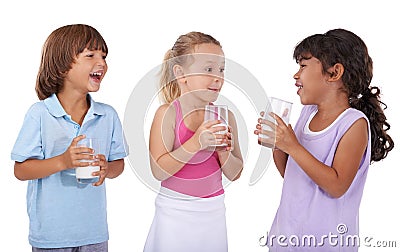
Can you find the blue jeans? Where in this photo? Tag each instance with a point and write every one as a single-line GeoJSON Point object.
{"type": "Point", "coordinates": [99, 247]}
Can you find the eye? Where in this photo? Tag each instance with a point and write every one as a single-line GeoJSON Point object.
{"type": "Point", "coordinates": [90, 55]}
{"type": "Point", "coordinates": [209, 69]}
{"type": "Point", "coordinates": [221, 70]}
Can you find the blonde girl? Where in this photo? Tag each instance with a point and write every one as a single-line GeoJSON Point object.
{"type": "Point", "coordinates": [190, 209]}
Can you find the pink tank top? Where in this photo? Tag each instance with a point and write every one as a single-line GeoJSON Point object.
{"type": "Point", "coordinates": [202, 175]}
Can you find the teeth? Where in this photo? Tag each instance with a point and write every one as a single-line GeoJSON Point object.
{"type": "Point", "coordinates": [96, 74]}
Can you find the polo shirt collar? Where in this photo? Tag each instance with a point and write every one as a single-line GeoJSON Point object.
{"type": "Point", "coordinates": [95, 108]}
{"type": "Point", "coordinates": [54, 106]}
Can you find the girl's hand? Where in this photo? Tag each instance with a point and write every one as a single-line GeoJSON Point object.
{"type": "Point", "coordinates": [280, 135]}
{"type": "Point", "coordinates": [285, 138]}
{"type": "Point", "coordinates": [228, 140]}
{"type": "Point", "coordinates": [72, 156]}
{"type": "Point", "coordinates": [258, 129]}
{"type": "Point", "coordinates": [206, 136]}
{"type": "Point", "coordinates": [225, 150]}
{"type": "Point", "coordinates": [269, 140]}
{"type": "Point", "coordinates": [102, 162]}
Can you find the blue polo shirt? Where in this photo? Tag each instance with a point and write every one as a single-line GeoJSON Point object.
{"type": "Point", "coordinates": [63, 213]}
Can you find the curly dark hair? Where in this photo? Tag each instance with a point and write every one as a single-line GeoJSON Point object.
{"type": "Point", "coordinates": [345, 47]}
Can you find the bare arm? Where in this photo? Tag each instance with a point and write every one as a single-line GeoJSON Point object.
{"type": "Point", "coordinates": [164, 163]}
{"type": "Point", "coordinates": [115, 168]}
{"type": "Point", "coordinates": [280, 157]}
{"type": "Point", "coordinates": [334, 180]}
{"type": "Point", "coordinates": [35, 169]}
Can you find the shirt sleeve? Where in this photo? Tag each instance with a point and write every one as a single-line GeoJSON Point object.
{"type": "Point", "coordinates": [119, 148]}
{"type": "Point", "coordinates": [29, 144]}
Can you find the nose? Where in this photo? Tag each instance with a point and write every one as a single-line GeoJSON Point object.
{"type": "Point", "coordinates": [219, 79]}
{"type": "Point", "coordinates": [296, 75]}
{"type": "Point", "coordinates": [101, 62]}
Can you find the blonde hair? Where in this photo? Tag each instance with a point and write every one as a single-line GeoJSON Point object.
{"type": "Point", "coordinates": [184, 45]}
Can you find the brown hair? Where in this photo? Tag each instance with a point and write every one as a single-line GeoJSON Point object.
{"type": "Point", "coordinates": [184, 45]}
{"type": "Point", "coordinates": [59, 53]}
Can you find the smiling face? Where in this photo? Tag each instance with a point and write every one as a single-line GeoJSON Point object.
{"type": "Point", "coordinates": [204, 76]}
{"type": "Point", "coordinates": [86, 72]}
{"type": "Point", "coordinates": [310, 81]}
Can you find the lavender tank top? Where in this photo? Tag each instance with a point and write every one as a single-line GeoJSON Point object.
{"type": "Point", "coordinates": [307, 216]}
{"type": "Point", "coordinates": [202, 175]}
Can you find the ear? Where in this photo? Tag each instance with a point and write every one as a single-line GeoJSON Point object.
{"type": "Point", "coordinates": [179, 73]}
{"type": "Point", "coordinates": [336, 72]}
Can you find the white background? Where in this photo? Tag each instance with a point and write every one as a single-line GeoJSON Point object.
{"type": "Point", "coordinates": [260, 35]}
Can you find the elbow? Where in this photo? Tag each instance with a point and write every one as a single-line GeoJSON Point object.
{"type": "Point", "coordinates": [19, 177]}
{"type": "Point", "coordinates": [337, 192]}
{"type": "Point", "coordinates": [159, 174]}
{"type": "Point", "coordinates": [117, 172]}
{"type": "Point", "coordinates": [235, 176]}
{"type": "Point", "coordinates": [116, 168]}
{"type": "Point", "coordinates": [337, 187]}
{"type": "Point", "coordinates": [17, 172]}
{"type": "Point", "coordinates": [336, 195]}
{"type": "Point", "coordinates": [122, 168]}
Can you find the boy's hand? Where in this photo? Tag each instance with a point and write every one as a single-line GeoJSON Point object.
{"type": "Point", "coordinates": [72, 156]}
{"type": "Point", "coordinates": [102, 162]}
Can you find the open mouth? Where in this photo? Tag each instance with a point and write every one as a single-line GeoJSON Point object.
{"type": "Point", "coordinates": [96, 75]}
{"type": "Point", "coordinates": [299, 86]}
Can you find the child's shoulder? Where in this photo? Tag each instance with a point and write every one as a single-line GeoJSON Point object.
{"type": "Point", "coordinates": [165, 111]}
{"type": "Point", "coordinates": [352, 114]}
{"type": "Point", "coordinates": [37, 108]}
{"type": "Point", "coordinates": [165, 107]}
{"type": "Point", "coordinates": [355, 112]}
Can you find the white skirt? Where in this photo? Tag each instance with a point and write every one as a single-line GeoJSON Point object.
{"type": "Point", "coordinates": [188, 225]}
